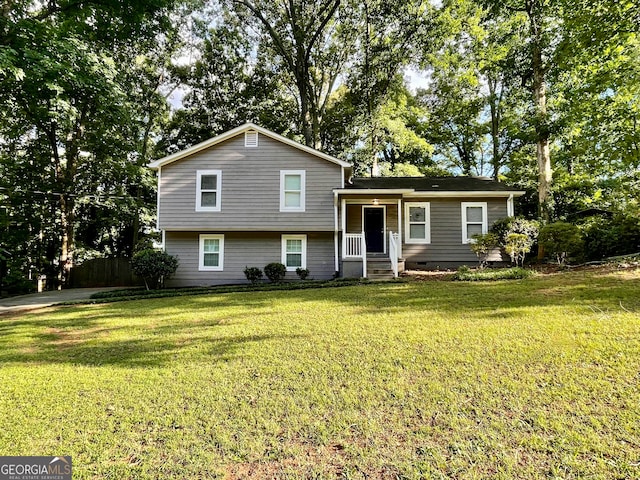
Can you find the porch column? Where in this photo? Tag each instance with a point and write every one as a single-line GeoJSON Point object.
{"type": "Point", "coordinates": [400, 228]}
{"type": "Point", "coordinates": [343, 220]}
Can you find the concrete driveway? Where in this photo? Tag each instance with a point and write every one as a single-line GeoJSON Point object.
{"type": "Point", "coordinates": [47, 299]}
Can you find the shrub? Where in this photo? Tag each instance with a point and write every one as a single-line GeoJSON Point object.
{"type": "Point", "coordinates": [464, 273]}
{"type": "Point", "coordinates": [562, 240]}
{"type": "Point", "coordinates": [253, 274]}
{"type": "Point", "coordinates": [303, 273]}
{"type": "Point", "coordinates": [154, 266]}
{"type": "Point", "coordinates": [508, 225]}
{"type": "Point", "coordinates": [609, 237]}
{"type": "Point", "coordinates": [483, 245]}
{"type": "Point", "coordinates": [517, 246]}
{"type": "Point", "coordinates": [275, 272]}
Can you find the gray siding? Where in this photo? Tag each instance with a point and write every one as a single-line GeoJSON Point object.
{"type": "Point", "coordinates": [242, 249]}
{"type": "Point", "coordinates": [446, 247]}
{"type": "Point", "coordinates": [250, 197]}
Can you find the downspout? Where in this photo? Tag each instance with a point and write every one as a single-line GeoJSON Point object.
{"type": "Point", "coordinates": [510, 209]}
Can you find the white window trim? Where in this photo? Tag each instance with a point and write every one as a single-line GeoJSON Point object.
{"type": "Point", "coordinates": [201, 265]}
{"type": "Point", "coordinates": [251, 139]}
{"type": "Point", "coordinates": [407, 223]}
{"type": "Point", "coordinates": [283, 174]}
{"type": "Point", "coordinates": [199, 175]}
{"type": "Point", "coordinates": [284, 250]}
{"type": "Point", "coordinates": [485, 221]}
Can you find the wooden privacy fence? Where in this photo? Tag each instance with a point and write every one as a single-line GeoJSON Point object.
{"type": "Point", "coordinates": [104, 272]}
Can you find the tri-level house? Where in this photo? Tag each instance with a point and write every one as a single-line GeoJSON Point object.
{"type": "Point", "coordinates": [250, 197]}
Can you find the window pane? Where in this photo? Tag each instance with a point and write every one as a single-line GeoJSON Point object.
{"type": "Point", "coordinates": [291, 199]}
{"type": "Point", "coordinates": [211, 259]}
{"type": "Point", "coordinates": [211, 245]}
{"type": "Point", "coordinates": [292, 182]}
{"type": "Point", "coordinates": [474, 230]}
{"type": "Point", "coordinates": [474, 214]}
{"type": "Point", "coordinates": [294, 260]}
{"type": "Point", "coordinates": [209, 182]}
{"type": "Point", "coordinates": [209, 199]}
{"type": "Point", "coordinates": [294, 246]}
{"type": "Point", "coordinates": [417, 231]}
{"type": "Point", "coordinates": [416, 214]}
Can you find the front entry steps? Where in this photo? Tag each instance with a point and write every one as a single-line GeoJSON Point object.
{"type": "Point", "coordinates": [379, 268]}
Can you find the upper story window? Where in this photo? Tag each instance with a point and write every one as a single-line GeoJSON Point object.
{"type": "Point", "coordinates": [208, 189]}
{"type": "Point", "coordinates": [251, 139]}
{"type": "Point", "coordinates": [292, 190]}
{"type": "Point", "coordinates": [211, 252]}
{"type": "Point", "coordinates": [474, 220]}
{"type": "Point", "coordinates": [417, 222]}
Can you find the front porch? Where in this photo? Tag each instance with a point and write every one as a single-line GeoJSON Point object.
{"type": "Point", "coordinates": [371, 237]}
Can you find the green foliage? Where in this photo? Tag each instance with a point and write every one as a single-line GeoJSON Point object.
{"type": "Point", "coordinates": [503, 227]}
{"type": "Point", "coordinates": [302, 273]}
{"type": "Point", "coordinates": [275, 272]}
{"type": "Point", "coordinates": [608, 237]}
{"type": "Point", "coordinates": [517, 246]}
{"type": "Point", "coordinates": [483, 245]}
{"type": "Point", "coordinates": [253, 274]}
{"type": "Point", "coordinates": [154, 266]}
{"type": "Point", "coordinates": [464, 273]}
{"type": "Point", "coordinates": [562, 240]}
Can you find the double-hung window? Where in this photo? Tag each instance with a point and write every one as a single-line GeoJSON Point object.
{"type": "Point", "coordinates": [417, 227]}
{"type": "Point", "coordinates": [474, 220]}
{"type": "Point", "coordinates": [292, 190]}
{"type": "Point", "coordinates": [208, 190]}
{"type": "Point", "coordinates": [211, 256]}
{"type": "Point", "coordinates": [294, 252]}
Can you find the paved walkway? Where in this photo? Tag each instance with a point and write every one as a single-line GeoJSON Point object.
{"type": "Point", "coordinates": [46, 299]}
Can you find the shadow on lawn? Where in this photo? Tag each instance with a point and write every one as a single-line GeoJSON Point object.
{"type": "Point", "coordinates": [93, 341]}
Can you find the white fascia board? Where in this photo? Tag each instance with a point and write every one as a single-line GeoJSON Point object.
{"type": "Point", "coordinates": [467, 194]}
{"type": "Point", "coordinates": [373, 191]}
{"type": "Point", "coordinates": [236, 131]}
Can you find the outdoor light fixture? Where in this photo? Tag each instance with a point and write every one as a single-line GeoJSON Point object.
{"type": "Point", "coordinates": [375, 201]}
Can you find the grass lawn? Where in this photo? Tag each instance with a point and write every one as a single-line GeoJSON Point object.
{"type": "Point", "coordinates": [532, 378]}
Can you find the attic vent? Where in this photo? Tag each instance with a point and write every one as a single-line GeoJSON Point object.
{"type": "Point", "coordinates": [251, 139]}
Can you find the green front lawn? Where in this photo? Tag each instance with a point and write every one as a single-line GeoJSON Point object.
{"type": "Point", "coordinates": [535, 378]}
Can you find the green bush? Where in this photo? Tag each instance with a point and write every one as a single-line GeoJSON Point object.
{"type": "Point", "coordinates": [517, 246]}
{"type": "Point", "coordinates": [464, 273]}
{"type": "Point", "coordinates": [275, 272]}
{"type": "Point", "coordinates": [508, 225]}
{"type": "Point", "coordinates": [610, 237]}
{"type": "Point", "coordinates": [483, 245]}
{"type": "Point", "coordinates": [253, 274]}
{"type": "Point", "coordinates": [562, 240]}
{"type": "Point", "coordinates": [302, 273]}
{"type": "Point", "coordinates": [154, 266]}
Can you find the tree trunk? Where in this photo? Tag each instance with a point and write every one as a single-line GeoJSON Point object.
{"type": "Point", "coordinates": [545, 172]}
{"type": "Point", "coordinates": [495, 125]}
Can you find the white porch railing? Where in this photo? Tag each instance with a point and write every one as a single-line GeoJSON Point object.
{"type": "Point", "coordinates": [393, 252]}
{"type": "Point", "coordinates": [355, 246]}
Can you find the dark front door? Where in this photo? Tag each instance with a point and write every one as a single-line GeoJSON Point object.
{"type": "Point", "coordinates": [374, 229]}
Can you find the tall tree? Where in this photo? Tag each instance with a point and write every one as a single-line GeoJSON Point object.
{"type": "Point", "coordinates": [62, 75]}
{"type": "Point", "coordinates": [304, 35]}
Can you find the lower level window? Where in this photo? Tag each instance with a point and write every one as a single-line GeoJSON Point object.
{"type": "Point", "coordinates": [211, 252]}
{"type": "Point", "coordinates": [294, 252]}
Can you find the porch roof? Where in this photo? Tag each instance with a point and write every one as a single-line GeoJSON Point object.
{"type": "Point", "coordinates": [431, 186]}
